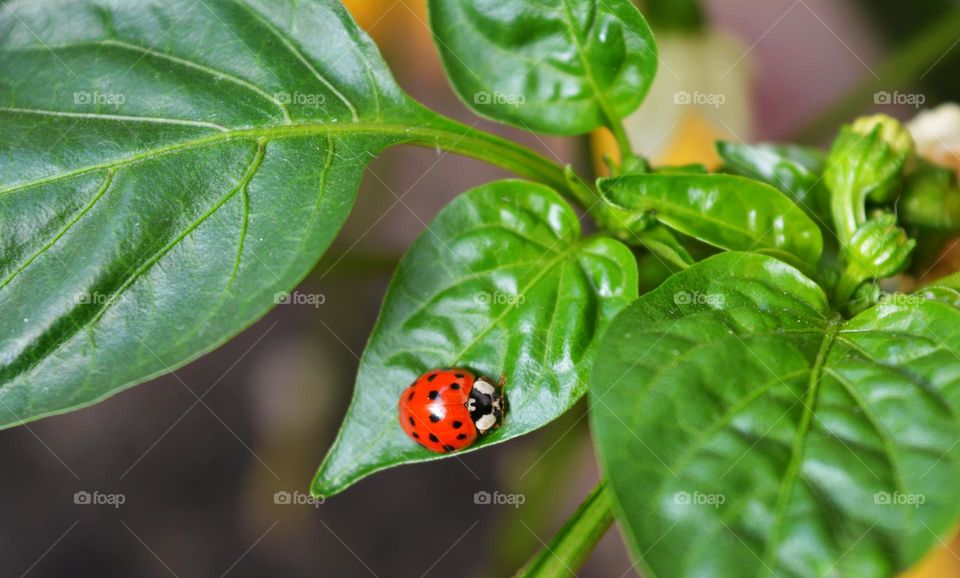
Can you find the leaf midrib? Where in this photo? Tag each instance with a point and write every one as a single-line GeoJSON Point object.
{"type": "Point", "coordinates": [267, 134]}
{"type": "Point", "coordinates": [799, 446]}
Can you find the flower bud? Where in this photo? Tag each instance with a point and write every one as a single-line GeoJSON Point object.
{"type": "Point", "coordinates": [866, 160]}
{"type": "Point", "coordinates": [879, 248]}
{"type": "Point", "coordinates": [931, 199]}
{"type": "Point", "coordinates": [891, 131]}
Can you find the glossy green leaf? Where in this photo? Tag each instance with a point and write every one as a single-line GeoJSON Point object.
{"type": "Point", "coordinates": [665, 245]}
{"type": "Point", "coordinates": [794, 170]}
{"type": "Point", "coordinates": [500, 283]}
{"type": "Point", "coordinates": [557, 67]}
{"type": "Point", "coordinates": [168, 167]}
{"type": "Point", "coordinates": [574, 542]}
{"type": "Point", "coordinates": [726, 211]}
{"type": "Point", "coordinates": [746, 430]}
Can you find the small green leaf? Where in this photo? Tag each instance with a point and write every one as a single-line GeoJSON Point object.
{"type": "Point", "coordinates": [500, 283]}
{"type": "Point", "coordinates": [795, 170]}
{"type": "Point", "coordinates": [746, 430]}
{"type": "Point", "coordinates": [557, 67]}
{"type": "Point", "coordinates": [665, 245]}
{"type": "Point", "coordinates": [726, 211]}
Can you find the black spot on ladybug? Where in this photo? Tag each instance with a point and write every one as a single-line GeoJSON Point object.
{"type": "Point", "coordinates": [410, 397]}
{"type": "Point", "coordinates": [434, 418]}
{"type": "Point", "coordinates": [458, 375]}
{"type": "Point", "coordinates": [431, 377]}
{"type": "Point", "coordinates": [457, 424]}
{"type": "Point", "coordinates": [455, 386]}
{"type": "Point", "coordinates": [448, 448]}
{"type": "Point", "coordinates": [434, 438]}
{"type": "Point", "coordinates": [412, 423]}
{"type": "Point", "coordinates": [416, 436]}
{"type": "Point", "coordinates": [459, 436]}
{"type": "Point", "coordinates": [433, 394]}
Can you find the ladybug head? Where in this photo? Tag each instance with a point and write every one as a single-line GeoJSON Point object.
{"type": "Point", "coordinates": [485, 405]}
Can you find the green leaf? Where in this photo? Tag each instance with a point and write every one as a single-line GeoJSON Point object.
{"type": "Point", "coordinates": [557, 67]}
{"type": "Point", "coordinates": [574, 542]}
{"type": "Point", "coordinates": [795, 170]}
{"type": "Point", "coordinates": [951, 281]}
{"type": "Point", "coordinates": [500, 283]}
{"type": "Point", "coordinates": [168, 167]}
{"type": "Point", "coordinates": [726, 211]}
{"type": "Point", "coordinates": [662, 243]}
{"type": "Point", "coordinates": [746, 430]}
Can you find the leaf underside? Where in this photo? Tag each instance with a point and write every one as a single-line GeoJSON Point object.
{"type": "Point", "coordinates": [748, 431]}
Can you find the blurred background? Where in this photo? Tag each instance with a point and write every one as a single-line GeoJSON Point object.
{"type": "Point", "coordinates": [206, 471]}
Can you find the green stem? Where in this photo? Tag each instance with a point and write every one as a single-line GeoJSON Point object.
{"type": "Point", "coordinates": [572, 545]}
{"type": "Point", "coordinates": [463, 140]}
{"type": "Point", "coordinates": [902, 68]}
{"type": "Point", "coordinates": [623, 140]}
{"type": "Point", "coordinates": [850, 281]}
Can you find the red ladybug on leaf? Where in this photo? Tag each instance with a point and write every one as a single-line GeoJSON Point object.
{"type": "Point", "coordinates": [447, 409]}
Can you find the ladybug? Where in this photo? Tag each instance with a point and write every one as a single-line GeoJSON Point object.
{"type": "Point", "coordinates": [447, 409]}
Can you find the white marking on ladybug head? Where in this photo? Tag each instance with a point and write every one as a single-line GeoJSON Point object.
{"type": "Point", "coordinates": [471, 405]}
{"type": "Point", "coordinates": [484, 387]}
{"type": "Point", "coordinates": [486, 422]}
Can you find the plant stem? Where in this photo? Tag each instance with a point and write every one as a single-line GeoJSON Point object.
{"type": "Point", "coordinates": [574, 542]}
{"type": "Point", "coordinates": [467, 141]}
{"type": "Point", "coordinates": [623, 140]}
{"type": "Point", "coordinates": [850, 281]}
{"type": "Point", "coordinates": [914, 58]}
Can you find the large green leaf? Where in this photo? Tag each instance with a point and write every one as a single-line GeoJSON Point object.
{"type": "Point", "coordinates": [166, 168]}
{"type": "Point", "coordinates": [558, 67]}
{"type": "Point", "coordinates": [500, 283]}
{"type": "Point", "coordinates": [726, 211]}
{"type": "Point", "coordinates": [747, 430]}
